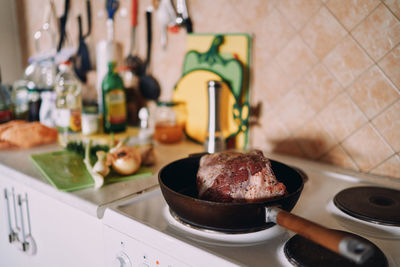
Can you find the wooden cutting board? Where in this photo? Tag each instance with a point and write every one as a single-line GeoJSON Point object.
{"type": "Point", "coordinates": [66, 171]}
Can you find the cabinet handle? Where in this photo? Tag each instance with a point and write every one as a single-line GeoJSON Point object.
{"type": "Point", "coordinates": [28, 217]}
{"type": "Point", "coordinates": [17, 229]}
{"type": "Point", "coordinates": [28, 244]}
{"type": "Point", "coordinates": [12, 236]}
{"type": "Point", "coordinates": [24, 243]}
{"type": "Point", "coordinates": [21, 237]}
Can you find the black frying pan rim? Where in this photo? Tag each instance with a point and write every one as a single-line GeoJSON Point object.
{"type": "Point", "coordinates": [271, 202]}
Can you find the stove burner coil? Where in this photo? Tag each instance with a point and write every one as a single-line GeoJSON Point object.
{"type": "Point", "coordinates": [302, 252]}
{"type": "Point", "coordinates": [372, 204]}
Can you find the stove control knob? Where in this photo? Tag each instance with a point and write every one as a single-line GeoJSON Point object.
{"type": "Point", "coordinates": [122, 260]}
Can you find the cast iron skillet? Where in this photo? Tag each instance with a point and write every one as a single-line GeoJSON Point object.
{"type": "Point", "coordinates": [178, 185]}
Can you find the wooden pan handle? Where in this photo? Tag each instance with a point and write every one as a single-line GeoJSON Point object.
{"type": "Point", "coordinates": [334, 240]}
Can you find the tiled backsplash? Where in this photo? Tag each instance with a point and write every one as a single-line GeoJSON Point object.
{"type": "Point", "coordinates": [327, 73]}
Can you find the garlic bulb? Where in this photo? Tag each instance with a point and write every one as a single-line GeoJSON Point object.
{"type": "Point", "coordinates": [101, 166]}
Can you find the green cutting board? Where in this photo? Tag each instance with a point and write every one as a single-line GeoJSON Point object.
{"type": "Point", "coordinates": [66, 171]}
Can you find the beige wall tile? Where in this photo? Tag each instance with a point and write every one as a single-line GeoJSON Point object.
{"type": "Point", "coordinates": [273, 32]}
{"type": "Point", "coordinates": [258, 68]}
{"type": "Point", "coordinates": [167, 76]}
{"type": "Point", "coordinates": [378, 33]}
{"type": "Point", "coordinates": [296, 58]}
{"type": "Point", "coordinates": [318, 87]}
{"type": "Point", "coordinates": [341, 117]}
{"type": "Point", "coordinates": [388, 124]}
{"type": "Point", "coordinates": [276, 130]}
{"type": "Point", "coordinates": [269, 137]}
{"type": "Point", "coordinates": [337, 156]}
{"type": "Point", "coordinates": [373, 92]}
{"type": "Point", "coordinates": [346, 61]}
{"type": "Point", "coordinates": [322, 32]}
{"type": "Point", "coordinates": [215, 16]}
{"type": "Point", "coordinates": [351, 12]}
{"type": "Point", "coordinates": [391, 65]}
{"type": "Point", "coordinates": [394, 6]}
{"type": "Point", "coordinates": [294, 110]}
{"type": "Point", "coordinates": [252, 11]}
{"type": "Point", "coordinates": [258, 139]}
{"type": "Point", "coordinates": [275, 83]}
{"type": "Point", "coordinates": [298, 12]}
{"type": "Point", "coordinates": [275, 137]}
{"type": "Point", "coordinates": [313, 139]}
{"type": "Point", "coordinates": [288, 147]}
{"type": "Point", "coordinates": [390, 167]}
{"type": "Point", "coordinates": [367, 148]}
{"type": "Point", "coordinates": [302, 60]}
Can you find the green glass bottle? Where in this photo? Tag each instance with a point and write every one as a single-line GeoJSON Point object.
{"type": "Point", "coordinates": [114, 102]}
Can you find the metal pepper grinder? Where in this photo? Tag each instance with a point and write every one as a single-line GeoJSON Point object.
{"type": "Point", "coordinates": [214, 141]}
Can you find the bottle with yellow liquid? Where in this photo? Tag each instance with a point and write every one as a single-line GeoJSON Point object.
{"type": "Point", "coordinates": [68, 105]}
{"type": "Point", "coordinates": [114, 102]}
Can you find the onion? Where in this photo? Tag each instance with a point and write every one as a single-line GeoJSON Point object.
{"type": "Point", "coordinates": [125, 160]}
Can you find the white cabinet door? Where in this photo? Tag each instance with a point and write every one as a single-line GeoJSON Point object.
{"type": "Point", "coordinates": [60, 234]}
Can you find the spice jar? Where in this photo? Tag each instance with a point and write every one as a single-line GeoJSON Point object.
{"type": "Point", "coordinates": [90, 119]}
{"type": "Point", "coordinates": [20, 100]}
{"type": "Point", "coordinates": [5, 103]}
{"type": "Point", "coordinates": [170, 120]}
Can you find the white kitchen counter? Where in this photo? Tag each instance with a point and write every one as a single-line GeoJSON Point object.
{"type": "Point", "coordinates": [16, 164]}
{"type": "Point", "coordinates": [56, 220]}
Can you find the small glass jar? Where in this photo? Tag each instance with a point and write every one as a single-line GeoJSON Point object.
{"type": "Point", "coordinates": [34, 102]}
{"type": "Point", "coordinates": [5, 103]}
{"type": "Point", "coordinates": [134, 99]}
{"type": "Point", "coordinates": [170, 118]}
{"type": "Point", "coordinates": [90, 119]}
{"type": "Point", "coordinates": [20, 100]}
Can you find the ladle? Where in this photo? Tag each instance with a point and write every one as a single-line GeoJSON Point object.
{"type": "Point", "coordinates": [133, 61]}
{"type": "Point", "coordinates": [148, 85]}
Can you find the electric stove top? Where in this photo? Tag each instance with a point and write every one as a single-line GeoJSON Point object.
{"type": "Point", "coordinates": [144, 230]}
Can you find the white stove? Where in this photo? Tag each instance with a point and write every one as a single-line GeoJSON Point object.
{"type": "Point", "coordinates": [143, 232]}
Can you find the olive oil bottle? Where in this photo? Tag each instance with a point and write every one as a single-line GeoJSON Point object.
{"type": "Point", "coordinates": [68, 105]}
{"type": "Point", "coordinates": [114, 102]}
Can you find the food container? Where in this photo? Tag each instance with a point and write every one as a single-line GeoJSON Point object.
{"type": "Point", "coordinates": [5, 103]}
{"type": "Point", "coordinates": [20, 100]}
{"type": "Point", "coordinates": [90, 120]}
{"type": "Point", "coordinates": [170, 118]}
{"type": "Point", "coordinates": [134, 99]}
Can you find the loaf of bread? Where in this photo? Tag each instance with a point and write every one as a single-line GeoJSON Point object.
{"type": "Point", "coordinates": [7, 125]}
{"type": "Point", "coordinates": [25, 134]}
{"type": "Point", "coordinates": [6, 145]}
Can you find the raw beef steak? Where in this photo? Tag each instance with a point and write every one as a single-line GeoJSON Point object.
{"type": "Point", "coordinates": [237, 177]}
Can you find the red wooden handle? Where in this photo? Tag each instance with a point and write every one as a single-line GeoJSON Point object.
{"type": "Point", "coordinates": [134, 12]}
